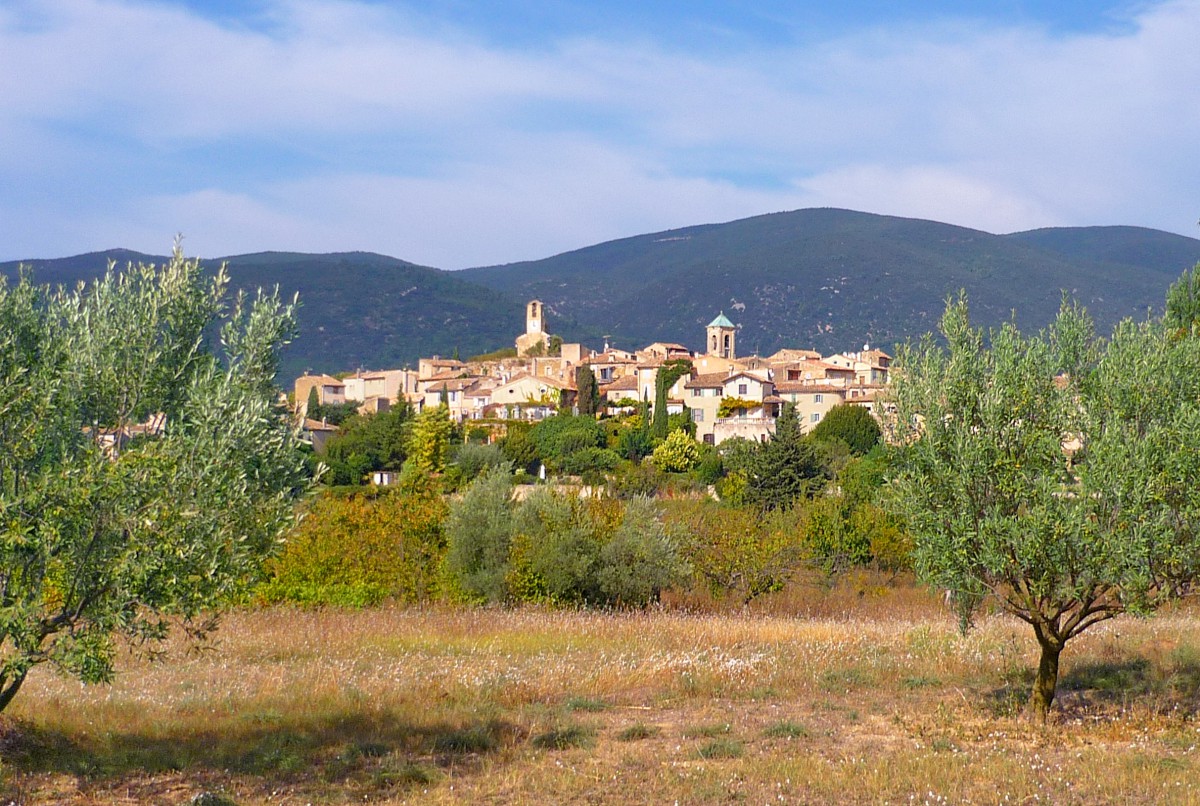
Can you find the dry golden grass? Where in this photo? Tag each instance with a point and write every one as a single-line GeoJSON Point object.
{"type": "Point", "coordinates": [873, 698]}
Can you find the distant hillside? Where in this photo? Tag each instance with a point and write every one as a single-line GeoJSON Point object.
{"type": "Point", "coordinates": [827, 279]}
{"type": "Point", "coordinates": [831, 279]}
{"type": "Point", "coordinates": [357, 309]}
{"type": "Point", "coordinates": [1125, 246]}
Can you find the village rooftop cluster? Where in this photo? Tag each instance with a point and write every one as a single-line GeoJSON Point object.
{"type": "Point", "coordinates": [726, 395]}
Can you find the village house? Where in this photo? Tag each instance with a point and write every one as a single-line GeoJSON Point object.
{"type": "Point", "coordinates": [812, 401]}
{"type": "Point", "coordinates": [726, 395]}
{"type": "Point", "coordinates": [530, 397]}
{"type": "Point", "coordinates": [330, 391]}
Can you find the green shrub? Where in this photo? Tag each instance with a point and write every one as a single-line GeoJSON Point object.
{"type": "Point", "coordinates": [590, 459]}
{"type": "Point", "coordinates": [566, 737]}
{"type": "Point", "coordinates": [852, 424]}
{"type": "Point", "coordinates": [638, 479]}
{"type": "Point", "coordinates": [479, 531]}
{"type": "Point", "coordinates": [721, 748]}
{"type": "Point", "coordinates": [637, 732]}
{"type": "Point", "coordinates": [555, 551]}
{"type": "Point", "coordinates": [678, 453]}
{"type": "Point", "coordinates": [710, 467]}
{"type": "Point", "coordinates": [359, 550]}
{"type": "Point", "coordinates": [738, 552]}
{"type": "Point", "coordinates": [519, 449]}
{"type": "Point", "coordinates": [557, 437]}
{"type": "Point", "coordinates": [472, 459]}
{"type": "Point", "coordinates": [641, 559]}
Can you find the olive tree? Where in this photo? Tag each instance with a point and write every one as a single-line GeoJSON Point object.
{"type": "Point", "coordinates": [1056, 474]}
{"type": "Point", "coordinates": [143, 474]}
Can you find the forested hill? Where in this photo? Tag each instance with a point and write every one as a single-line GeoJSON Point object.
{"type": "Point", "coordinates": [821, 278]}
{"type": "Point", "coordinates": [357, 309]}
{"type": "Point", "coordinates": [831, 279]}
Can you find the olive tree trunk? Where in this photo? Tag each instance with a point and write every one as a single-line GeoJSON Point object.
{"type": "Point", "coordinates": [1046, 682]}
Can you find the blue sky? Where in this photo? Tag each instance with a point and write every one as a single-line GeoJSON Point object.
{"type": "Point", "coordinates": [456, 133]}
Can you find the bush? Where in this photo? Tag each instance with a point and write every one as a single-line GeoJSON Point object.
{"type": "Point", "coordinates": [479, 531]}
{"type": "Point", "coordinates": [641, 560]}
{"type": "Point", "coordinates": [473, 459]}
{"type": "Point", "coordinates": [853, 425]}
{"type": "Point", "coordinates": [358, 550]}
{"type": "Point", "coordinates": [557, 437]}
{"type": "Point", "coordinates": [846, 528]}
{"type": "Point", "coordinates": [637, 479]}
{"type": "Point", "coordinates": [634, 443]}
{"type": "Point", "coordinates": [709, 468]}
{"type": "Point", "coordinates": [555, 551]}
{"type": "Point", "coordinates": [678, 453]}
{"type": "Point", "coordinates": [519, 449]}
{"type": "Point", "coordinates": [737, 551]}
{"type": "Point", "coordinates": [737, 454]}
{"type": "Point", "coordinates": [572, 552]}
{"type": "Point", "coordinates": [590, 459]}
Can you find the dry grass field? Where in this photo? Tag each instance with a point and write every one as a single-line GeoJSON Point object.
{"type": "Point", "coordinates": [821, 698]}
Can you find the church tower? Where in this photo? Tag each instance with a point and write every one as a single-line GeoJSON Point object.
{"type": "Point", "coordinates": [721, 335]}
{"type": "Point", "coordinates": [533, 317]}
{"type": "Point", "coordinates": [535, 328]}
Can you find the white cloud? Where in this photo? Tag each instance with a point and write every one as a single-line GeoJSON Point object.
{"type": "Point", "coordinates": [337, 125]}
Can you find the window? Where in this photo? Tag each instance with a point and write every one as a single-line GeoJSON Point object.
{"type": "Point", "coordinates": [697, 392]}
{"type": "Point", "coordinates": [741, 388]}
{"type": "Point", "coordinates": [709, 439]}
{"type": "Point", "coordinates": [697, 415]}
{"type": "Point", "coordinates": [818, 398]}
{"type": "Point", "coordinates": [453, 396]}
{"type": "Point", "coordinates": [816, 417]}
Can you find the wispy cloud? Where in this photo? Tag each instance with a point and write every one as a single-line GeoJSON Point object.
{"type": "Point", "coordinates": [326, 125]}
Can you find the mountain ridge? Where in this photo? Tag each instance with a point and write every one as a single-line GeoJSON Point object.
{"type": "Point", "coordinates": [824, 278]}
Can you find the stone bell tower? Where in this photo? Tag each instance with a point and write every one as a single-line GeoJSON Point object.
{"type": "Point", "coordinates": [535, 327]}
{"type": "Point", "coordinates": [721, 336]}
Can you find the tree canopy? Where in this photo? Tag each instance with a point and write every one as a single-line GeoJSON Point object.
{"type": "Point", "coordinates": [786, 467]}
{"type": "Point", "coordinates": [1057, 474]}
{"type": "Point", "coordinates": [852, 424]}
{"type": "Point", "coordinates": [143, 475]}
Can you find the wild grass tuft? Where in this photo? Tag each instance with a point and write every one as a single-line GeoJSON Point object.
{"type": "Point", "coordinates": [707, 731]}
{"type": "Point", "coordinates": [638, 731]}
{"type": "Point", "coordinates": [787, 730]}
{"type": "Point", "coordinates": [720, 749]}
{"type": "Point", "coordinates": [565, 737]}
{"type": "Point", "coordinates": [586, 704]}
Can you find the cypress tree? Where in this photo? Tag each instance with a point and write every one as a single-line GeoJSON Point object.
{"type": "Point", "coordinates": [313, 409]}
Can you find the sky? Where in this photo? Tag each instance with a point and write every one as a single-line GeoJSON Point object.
{"type": "Point", "coordinates": [453, 133]}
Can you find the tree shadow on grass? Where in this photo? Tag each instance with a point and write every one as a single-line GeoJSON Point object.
{"type": "Point", "coordinates": [1171, 685]}
{"type": "Point", "coordinates": [327, 747]}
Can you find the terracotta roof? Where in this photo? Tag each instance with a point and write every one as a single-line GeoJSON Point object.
{"type": "Point", "coordinates": [555, 382]}
{"type": "Point", "coordinates": [451, 385]}
{"type": "Point", "coordinates": [708, 380]}
{"type": "Point", "coordinates": [823, 366]}
{"type": "Point", "coordinates": [449, 374]}
{"type": "Point", "coordinates": [791, 387]}
{"type": "Point", "coordinates": [317, 425]}
{"type": "Point", "coordinates": [626, 384]}
{"type": "Point", "coordinates": [324, 380]}
{"type": "Point", "coordinates": [610, 358]}
{"type": "Point", "coordinates": [788, 354]}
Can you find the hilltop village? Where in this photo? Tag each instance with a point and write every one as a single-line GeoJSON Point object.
{"type": "Point", "coordinates": [724, 394]}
